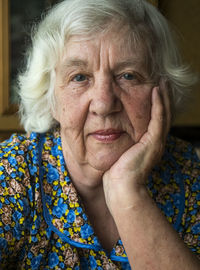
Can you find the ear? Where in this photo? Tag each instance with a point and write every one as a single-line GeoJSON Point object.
{"type": "Point", "coordinates": [52, 95]}
{"type": "Point", "coordinates": [55, 114]}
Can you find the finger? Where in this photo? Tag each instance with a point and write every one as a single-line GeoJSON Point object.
{"type": "Point", "coordinates": [165, 93]}
{"type": "Point", "coordinates": [158, 119]}
{"type": "Point", "coordinates": [155, 137]}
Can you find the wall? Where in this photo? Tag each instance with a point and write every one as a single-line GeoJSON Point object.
{"type": "Point", "coordinates": [184, 16]}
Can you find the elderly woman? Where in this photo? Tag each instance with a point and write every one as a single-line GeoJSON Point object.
{"type": "Point", "coordinates": [98, 183]}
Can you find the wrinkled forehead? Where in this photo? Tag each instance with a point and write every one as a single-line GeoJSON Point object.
{"type": "Point", "coordinates": [124, 34]}
{"type": "Point", "coordinates": [121, 36]}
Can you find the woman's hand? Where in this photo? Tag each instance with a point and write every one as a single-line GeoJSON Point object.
{"type": "Point", "coordinates": [128, 176]}
{"type": "Point", "coordinates": [149, 240]}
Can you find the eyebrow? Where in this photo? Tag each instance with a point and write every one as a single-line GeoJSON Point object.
{"type": "Point", "coordinates": [127, 63]}
{"type": "Point", "coordinates": [73, 62]}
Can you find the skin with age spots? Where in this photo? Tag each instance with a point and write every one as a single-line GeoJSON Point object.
{"type": "Point", "coordinates": [101, 84]}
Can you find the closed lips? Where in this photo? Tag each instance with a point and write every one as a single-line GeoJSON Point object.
{"type": "Point", "coordinates": [107, 135]}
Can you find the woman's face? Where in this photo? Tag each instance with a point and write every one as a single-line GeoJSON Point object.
{"type": "Point", "coordinates": [103, 99]}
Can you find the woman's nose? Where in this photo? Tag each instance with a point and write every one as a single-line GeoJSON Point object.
{"type": "Point", "coordinates": [104, 99]}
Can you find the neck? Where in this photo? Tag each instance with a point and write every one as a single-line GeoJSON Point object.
{"type": "Point", "coordinates": [87, 180]}
{"type": "Point", "coordinates": [91, 192]}
{"type": "Point", "coordinates": [88, 191]}
{"type": "Point", "coordinates": [89, 185]}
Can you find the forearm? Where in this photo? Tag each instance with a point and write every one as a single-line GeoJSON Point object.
{"type": "Point", "coordinates": [149, 239]}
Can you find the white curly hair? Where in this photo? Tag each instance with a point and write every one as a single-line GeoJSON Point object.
{"type": "Point", "coordinates": [87, 18]}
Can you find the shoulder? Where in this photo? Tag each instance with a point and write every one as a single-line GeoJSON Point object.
{"type": "Point", "coordinates": [19, 156]}
{"type": "Point", "coordinates": [181, 149]}
{"type": "Point", "coordinates": [184, 163]}
{"type": "Point", "coordinates": [18, 144]}
{"type": "Point", "coordinates": [15, 184]}
{"type": "Point", "coordinates": [174, 179]}
{"type": "Point", "coordinates": [189, 162]}
{"type": "Point", "coordinates": [181, 156]}
{"type": "Point", "coordinates": [17, 163]}
{"type": "Point", "coordinates": [19, 190]}
{"type": "Point", "coordinates": [16, 154]}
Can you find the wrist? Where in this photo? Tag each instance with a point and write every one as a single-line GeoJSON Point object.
{"type": "Point", "coordinates": [133, 199]}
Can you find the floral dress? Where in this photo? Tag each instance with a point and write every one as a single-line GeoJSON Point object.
{"type": "Point", "coordinates": [43, 224]}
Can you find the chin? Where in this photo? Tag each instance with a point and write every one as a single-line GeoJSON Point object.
{"type": "Point", "coordinates": [103, 157]}
{"type": "Point", "coordinates": [104, 163]}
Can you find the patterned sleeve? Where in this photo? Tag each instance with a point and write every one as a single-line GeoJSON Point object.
{"type": "Point", "coordinates": [191, 218]}
{"type": "Point", "coordinates": [14, 200]}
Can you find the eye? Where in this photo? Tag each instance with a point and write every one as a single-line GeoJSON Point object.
{"type": "Point", "coordinates": [133, 77]}
{"type": "Point", "coordinates": [79, 78]}
{"type": "Point", "coordinates": [129, 76]}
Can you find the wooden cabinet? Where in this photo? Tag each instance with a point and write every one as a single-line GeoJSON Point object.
{"type": "Point", "coordinates": [9, 121]}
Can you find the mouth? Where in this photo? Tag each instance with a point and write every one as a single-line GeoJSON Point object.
{"type": "Point", "coordinates": [107, 135]}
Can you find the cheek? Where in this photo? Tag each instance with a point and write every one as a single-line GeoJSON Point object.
{"type": "Point", "coordinates": [138, 109]}
{"type": "Point", "coordinates": [64, 109]}
{"type": "Point", "coordinates": [141, 110]}
{"type": "Point", "coordinates": [71, 110]}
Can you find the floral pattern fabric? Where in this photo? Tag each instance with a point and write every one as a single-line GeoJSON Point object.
{"type": "Point", "coordinates": [43, 224]}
